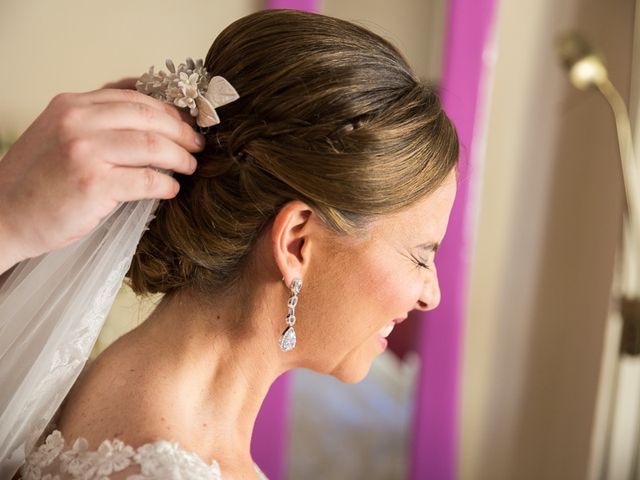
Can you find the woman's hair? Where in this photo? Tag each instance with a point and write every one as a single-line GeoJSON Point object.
{"type": "Point", "coordinates": [329, 113]}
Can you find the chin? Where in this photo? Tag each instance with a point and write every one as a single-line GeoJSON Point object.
{"type": "Point", "coordinates": [350, 373]}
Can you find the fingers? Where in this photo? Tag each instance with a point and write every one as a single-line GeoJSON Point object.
{"type": "Point", "coordinates": [134, 148]}
{"type": "Point", "coordinates": [130, 184]}
{"type": "Point", "coordinates": [129, 83]}
{"type": "Point", "coordinates": [140, 116]}
{"type": "Point", "coordinates": [107, 95]}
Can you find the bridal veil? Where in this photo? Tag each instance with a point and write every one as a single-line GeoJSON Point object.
{"type": "Point", "coordinates": [52, 309]}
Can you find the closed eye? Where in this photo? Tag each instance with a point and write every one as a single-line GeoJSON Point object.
{"type": "Point", "coordinates": [421, 264]}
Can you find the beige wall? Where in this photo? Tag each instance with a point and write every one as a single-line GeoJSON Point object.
{"type": "Point", "coordinates": [47, 47]}
{"type": "Point", "coordinates": [416, 27]}
{"type": "Point", "coordinates": [550, 216]}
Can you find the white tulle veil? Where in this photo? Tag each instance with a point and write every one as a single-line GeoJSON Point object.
{"type": "Point", "coordinates": [52, 309]}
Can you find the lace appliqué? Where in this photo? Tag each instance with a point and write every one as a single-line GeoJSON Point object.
{"type": "Point", "coordinates": [161, 459]}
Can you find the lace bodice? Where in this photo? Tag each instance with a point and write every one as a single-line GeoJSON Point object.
{"type": "Point", "coordinates": [162, 459]}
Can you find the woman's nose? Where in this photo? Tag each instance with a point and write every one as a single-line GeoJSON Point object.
{"type": "Point", "coordinates": [430, 297]}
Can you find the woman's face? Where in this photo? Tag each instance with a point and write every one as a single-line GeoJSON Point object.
{"type": "Point", "coordinates": [352, 296]}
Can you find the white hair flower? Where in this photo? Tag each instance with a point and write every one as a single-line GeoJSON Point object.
{"type": "Point", "coordinates": [189, 86]}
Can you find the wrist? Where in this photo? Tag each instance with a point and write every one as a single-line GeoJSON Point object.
{"type": "Point", "coordinates": [9, 247]}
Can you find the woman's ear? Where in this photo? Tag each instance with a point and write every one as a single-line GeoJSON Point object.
{"type": "Point", "coordinates": [292, 235]}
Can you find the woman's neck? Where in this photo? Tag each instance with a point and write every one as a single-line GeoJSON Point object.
{"type": "Point", "coordinates": [214, 364]}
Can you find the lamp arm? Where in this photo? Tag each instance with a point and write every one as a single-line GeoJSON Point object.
{"type": "Point", "coordinates": [630, 172]}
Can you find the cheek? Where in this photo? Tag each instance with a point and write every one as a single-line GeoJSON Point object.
{"type": "Point", "coordinates": [388, 291]}
{"type": "Point", "coordinates": [355, 295]}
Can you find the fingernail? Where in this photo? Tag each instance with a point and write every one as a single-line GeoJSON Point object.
{"type": "Point", "coordinates": [199, 140]}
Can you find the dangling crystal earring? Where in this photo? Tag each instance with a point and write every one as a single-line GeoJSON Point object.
{"type": "Point", "coordinates": [288, 338]}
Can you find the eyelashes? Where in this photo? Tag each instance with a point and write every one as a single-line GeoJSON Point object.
{"type": "Point", "coordinates": [421, 264]}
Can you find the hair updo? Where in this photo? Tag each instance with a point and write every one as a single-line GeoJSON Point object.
{"type": "Point", "coordinates": [329, 113]}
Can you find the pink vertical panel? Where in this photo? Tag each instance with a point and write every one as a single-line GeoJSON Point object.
{"type": "Point", "coordinates": [435, 439]}
{"type": "Point", "coordinates": [270, 433]}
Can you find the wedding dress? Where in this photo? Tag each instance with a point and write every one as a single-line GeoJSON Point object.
{"type": "Point", "coordinates": [54, 459]}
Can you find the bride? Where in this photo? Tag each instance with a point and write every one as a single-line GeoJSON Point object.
{"type": "Point", "coordinates": [307, 231]}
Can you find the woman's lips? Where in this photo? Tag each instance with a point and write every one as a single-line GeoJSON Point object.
{"type": "Point", "coordinates": [386, 331]}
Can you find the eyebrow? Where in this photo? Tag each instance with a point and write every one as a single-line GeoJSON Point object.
{"type": "Point", "coordinates": [433, 246]}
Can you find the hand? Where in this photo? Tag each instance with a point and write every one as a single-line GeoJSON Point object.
{"type": "Point", "coordinates": [84, 154]}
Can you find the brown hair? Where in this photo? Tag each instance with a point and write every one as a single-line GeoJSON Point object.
{"type": "Point", "coordinates": [329, 113]}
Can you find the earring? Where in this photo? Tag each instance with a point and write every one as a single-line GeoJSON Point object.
{"type": "Point", "coordinates": [288, 338]}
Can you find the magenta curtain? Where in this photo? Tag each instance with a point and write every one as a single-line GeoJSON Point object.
{"type": "Point", "coordinates": [435, 436]}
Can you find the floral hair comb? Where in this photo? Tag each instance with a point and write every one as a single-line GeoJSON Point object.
{"type": "Point", "coordinates": [189, 86]}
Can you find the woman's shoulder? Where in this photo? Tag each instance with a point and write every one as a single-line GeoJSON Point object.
{"type": "Point", "coordinates": [55, 459]}
{"type": "Point", "coordinates": [109, 428]}
{"type": "Point", "coordinates": [111, 399]}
